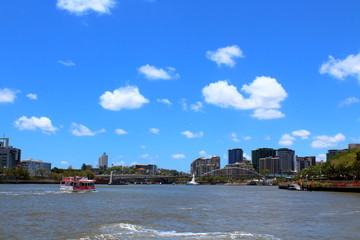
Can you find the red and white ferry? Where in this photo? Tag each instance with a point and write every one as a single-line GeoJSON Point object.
{"type": "Point", "coordinates": [77, 184]}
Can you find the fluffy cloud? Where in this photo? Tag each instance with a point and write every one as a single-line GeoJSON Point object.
{"type": "Point", "coordinates": [64, 162]}
{"type": "Point", "coordinates": [123, 98]}
{"type": "Point", "coordinates": [33, 123]}
{"type": "Point", "coordinates": [32, 96]}
{"type": "Point", "coordinates": [225, 55]}
{"type": "Point", "coordinates": [304, 134]}
{"type": "Point", "coordinates": [189, 134]}
{"type": "Point", "coordinates": [348, 101]}
{"type": "Point", "coordinates": [325, 141]}
{"type": "Point", "coordinates": [119, 131]}
{"type": "Point", "coordinates": [265, 96]}
{"type": "Point", "coordinates": [197, 107]}
{"type": "Point", "coordinates": [154, 73]}
{"type": "Point", "coordinates": [178, 156]}
{"type": "Point", "coordinates": [81, 130]}
{"type": "Point", "coordinates": [7, 95]}
{"type": "Point", "coordinates": [155, 131]}
{"type": "Point", "coordinates": [164, 101]}
{"type": "Point", "coordinates": [234, 137]}
{"type": "Point", "coordinates": [265, 114]}
{"type": "Point", "coordinates": [342, 68]}
{"type": "Point", "coordinates": [286, 140]}
{"type": "Point", "coordinates": [81, 7]}
{"type": "Point", "coordinates": [67, 63]}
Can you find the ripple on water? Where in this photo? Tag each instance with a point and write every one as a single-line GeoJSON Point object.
{"type": "Point", "coordinates": [132, 231]}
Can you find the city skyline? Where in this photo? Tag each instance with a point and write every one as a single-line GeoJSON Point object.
{"type": "Point", "coordinates": [166, 82]}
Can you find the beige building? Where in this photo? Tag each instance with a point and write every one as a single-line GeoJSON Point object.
{"type": "Point", "coordinates": [201, 166]}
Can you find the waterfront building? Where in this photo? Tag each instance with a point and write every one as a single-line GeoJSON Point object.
{"type": "Point", "coordinates": [287, 158]}
{"type": "Point", "coordinates": [261, 153]}
{"type": "Point", "coordinates": [146, 168]}
{"type": "Point", "coordinates": [304, 162]}
{"type": "Point", "coordinates": [353, 145]}
{"type": "Point", "coordinates": [235, 155]}
{"type": "Point", "coordinates": [333, 152]}
{"type": "Point", "coordinates": [103, 161]}
{"type": "Point", "coordinates": [201, 166]}
{"type": "Point", "coordinates": [9, 156]}
{"type": "Point", "coordinates": [273, 164]}
{"type": "Point", "coordinates": [36, 167]}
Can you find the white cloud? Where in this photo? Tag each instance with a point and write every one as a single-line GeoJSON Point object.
{"type": "Point", "coordinates": [33, 123]}
{"type": "Point", "coordinates": [286, 140]}
{"type": "Point", "coordinates": [143, 146]}
{"type": "Point", "coordinates": [64, 162]}
{"type": "Point", "coordinates": [184, 104]}
{"type": "Point", "coordinates": [155, 131]}
{"type": "Point", "coordinates": [146, 155]}
{"type": "Point", "coordinates": [120, 131]}
{"type": "Point", "coordinates": [348, 101]}
{"type": "Point", "coordinates": [189, 134]}
{"type": "Point", "coordinates": [267, 114]}
{"type": "Point", "coordinates": [267, 138]}
{"type": "Point", "coordinates": [81, 7]}
{"type": "Point", "coordinates": [67, 63]}
{"type": "Point", "coordinates": [342, 68]}
{"type": "Point", "coordinates": [325, 141]}
{"type": "Point", "coordinates": [32, 96]}
{"type": "Point", "coordinates": [304, 134]}
{"type": "Point", "coordinates": [265, 96]}
{"type": "Point", "coordinates": [247, 156]}
{"type": "Point", "coordinates": [127, 97]}
{"type": "Point", "coordinates": [164, 101]}
{"type": "Point", "coordinates": [178, 156]}
{"type": "Point", "coordinates": [154, 73]}
{"type": "Point", "coordinates": [225, 55]}
{"type": "Point", "coordinates": [234, 137]}
{"type": "Point", "coordinates": [246, 138]}
{"type": "Point", "coordinates": [81, 130]}
{"type": "Point", "coordinates": [7, 95]}
{"type": "Point", "coordinates": [197, 107]}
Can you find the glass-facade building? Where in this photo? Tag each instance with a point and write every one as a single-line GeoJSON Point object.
{"type": "Point", "coordinates": [235, 155]}
{"type": "Point", "coordinates": [261, 153]}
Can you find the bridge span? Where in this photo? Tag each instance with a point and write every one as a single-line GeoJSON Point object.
{"type": "Point", "coordinates": [121, 178]}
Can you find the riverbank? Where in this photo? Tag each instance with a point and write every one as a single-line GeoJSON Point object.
{"type": "Point", "coordinates": [334, 186]}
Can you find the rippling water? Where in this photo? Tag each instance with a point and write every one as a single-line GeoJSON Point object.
{"type": "Point", "coordinates": [176, 212]}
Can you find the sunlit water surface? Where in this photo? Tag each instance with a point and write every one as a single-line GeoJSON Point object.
{"type": "Point", "coordinates": [176, 212]}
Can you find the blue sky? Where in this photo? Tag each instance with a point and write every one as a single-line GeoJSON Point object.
{"type": "Point", "coordinates": [166, 82]}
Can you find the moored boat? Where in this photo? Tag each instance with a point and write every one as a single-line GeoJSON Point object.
{"type": "Point", "coordinates": [192, 182]}
{"type": "Point", "coordinates": [77, 184]}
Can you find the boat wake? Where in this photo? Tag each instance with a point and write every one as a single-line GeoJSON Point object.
{"type": "Point", "coordinates": [131, 231]}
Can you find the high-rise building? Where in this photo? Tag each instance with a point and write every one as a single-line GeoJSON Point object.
{"type": "Point", "coordinates": [235, 155]}
{"type": "Point", "coordinates": [287, 159]}
{"type": "Point", "coordinates": [103, 161]}
{"type": "Point", "coordinates": [201, 166]}
{"type": "Point", "coordinates": [353, 145]}
{"type": "Point", "coordinates": [304, 162]}
{"type": "Point", "coordinates": [35, 167]}
{"type": "Point", "coordinates": [273, 164]}
{"type": "Point", "coordinates": [261, 153]}
{"type": "Point", "coordinates": [9, 156]}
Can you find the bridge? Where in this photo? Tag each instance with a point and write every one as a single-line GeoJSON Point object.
{"type": "Point", "coordinates": [121, 178]}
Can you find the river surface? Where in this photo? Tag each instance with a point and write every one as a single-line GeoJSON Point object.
{"type": "Point", "coordinates": [176, 212]}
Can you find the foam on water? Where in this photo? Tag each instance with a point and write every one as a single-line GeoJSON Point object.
{"type": "Point", "coordinates": [132, 231]}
